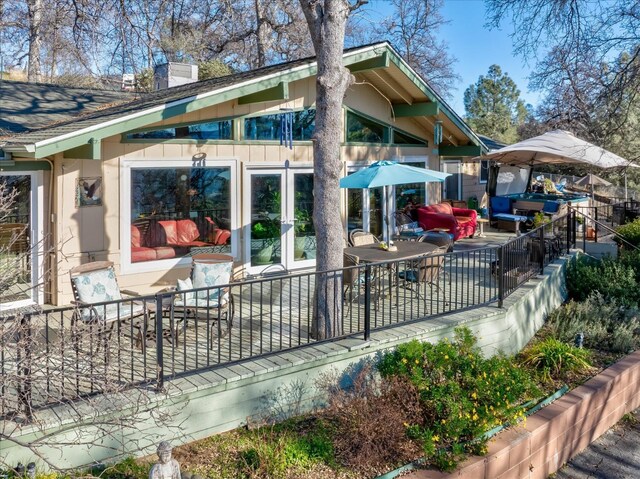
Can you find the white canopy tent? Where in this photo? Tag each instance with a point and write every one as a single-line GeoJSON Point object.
{"type": "Point", "coordinates": [557, 147]}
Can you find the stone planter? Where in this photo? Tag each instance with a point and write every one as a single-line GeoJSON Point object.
{"type": "Point", "coordinates": [261, 251]}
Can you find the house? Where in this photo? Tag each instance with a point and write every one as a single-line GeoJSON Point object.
{"type": "Point", "coordinates": [204, 166]}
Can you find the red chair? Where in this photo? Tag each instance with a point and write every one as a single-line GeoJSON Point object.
{"type": "Point", "coordinates": [460, 222]}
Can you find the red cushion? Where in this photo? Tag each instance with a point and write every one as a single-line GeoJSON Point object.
{"type": "Point", "coordinates": [187, 232]}
{"type": "Point", "coordinates": [164, 252]}
{"type": "Point", "coordinates": [170, 231]}
{"type": "Point", "coordinates": [444, 208]}
{"type": "Point", "coordinates": [463, 219]}
{"type": "Point", "coordinates": [142, 254]}
{"type": "Point", "coordinates": [222, 236]}
{"type": "Point", "coordinates": [136, 241]}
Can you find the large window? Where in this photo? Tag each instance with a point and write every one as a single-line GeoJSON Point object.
{"type": "Point", "coordinates": [179, 211]}
{"type": "Point", "coordinates": [212, 130]}
{"type": "Point", "coordinates": [401, 138]}
{"type": "Point", "coordinates": [268, 127]}
{"type": "Point", "coordinates": [364, 130]}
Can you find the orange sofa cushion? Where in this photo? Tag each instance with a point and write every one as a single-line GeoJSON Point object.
{"type": "Point", "coordinates": [136, 240]}
{"type": "Point", "coordinates": [187, 231]}
{"type": "Point", "coordinates": [444, 208]}
{"type": "Point", "coordinates": [170, 231]}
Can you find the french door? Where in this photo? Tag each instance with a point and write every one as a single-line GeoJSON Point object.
{"type": "Point", "coordinates": [21, 251]}
{"type": "Point", "coordinates": [278, 219]}
{"type": "Point", "coordinates": [452, 189]}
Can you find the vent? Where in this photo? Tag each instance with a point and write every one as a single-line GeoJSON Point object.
{"type": "Point", "coordinates": [169, 75]}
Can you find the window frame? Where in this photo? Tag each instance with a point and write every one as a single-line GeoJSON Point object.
{"type": "Point", "coordinates": [423, 143]}
{"type": "Point", "coordinates": [126, 266]}
{"type": "Point", "coordinates": [388, 132]}
{"type": "Point", "coordinates": [232, 119]}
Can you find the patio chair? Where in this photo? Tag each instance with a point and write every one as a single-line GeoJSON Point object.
{"type": "Point", "coordinates": [201, 298]}
{"type": "Point", "coordinates": [424, 271]}
{"type": "Point", "coordinates": [95, 283]}
{"type": "Point", "coordinates": [361, 238]}
{"type": "Point", "coordinates": [353, 281]}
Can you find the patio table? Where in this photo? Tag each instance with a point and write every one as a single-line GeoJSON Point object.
{"type": "Point", "coordinates": [372, 253]}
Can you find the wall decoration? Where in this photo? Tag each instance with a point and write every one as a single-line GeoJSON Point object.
{"type": "Point", "coordinates": [89, 192]}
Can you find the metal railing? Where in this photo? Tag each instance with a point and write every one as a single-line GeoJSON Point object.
{"type": "Point", "coordinates": [65, 353]}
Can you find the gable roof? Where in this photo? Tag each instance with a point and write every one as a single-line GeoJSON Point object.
{"type": "Point", "coordinates": [90, 127]}
{"type": "Point", "coordinates": [29, 106]}
{"type": "Point", "coordinates": [491, 144]}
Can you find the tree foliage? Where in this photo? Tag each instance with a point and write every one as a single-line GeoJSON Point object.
{"type": "Point", "coordinates": [494, 107]}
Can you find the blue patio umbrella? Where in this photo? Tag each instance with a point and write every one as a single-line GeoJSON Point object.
{"type": "Point", "coordinates": [388, 173]}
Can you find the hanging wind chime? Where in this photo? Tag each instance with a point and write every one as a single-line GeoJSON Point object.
{"type": "Point", "coordinates": [286, 129]}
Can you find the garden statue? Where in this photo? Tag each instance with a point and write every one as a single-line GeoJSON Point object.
{"type": "Point", "coordinates": [167, 467]}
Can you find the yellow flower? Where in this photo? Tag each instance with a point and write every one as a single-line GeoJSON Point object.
{"type": "Point", "coordinates": [474, 395]}
{"type": "Point", "coordinates": [417, 362]}
{"type": "Point", "coordinates": [446, 356]}
{"type": "Point", "coordinates": [404, 360]}
{"type": "Point", "coordinates": [475, 417]}
{"type": "Point", "coordinates": [406, 424]}
{"type": "Point", "coordinates": [443, 421]}
{"type": "Point", "coordinates": [435, 438]}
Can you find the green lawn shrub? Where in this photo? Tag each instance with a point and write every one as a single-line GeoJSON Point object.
{"type": "Point", "coordinates": [630, 232]}
{"type": "Point", "coordinates": [607, 324]}
{"type": "Point", "coordinates": [556, 359]}
{"type": "Point", "coordinates": [462, 394]}
{"type": "Point", "coordinates": [611, 278]}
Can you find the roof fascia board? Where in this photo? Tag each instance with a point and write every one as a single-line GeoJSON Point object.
{"type": "Point", "coordinates": [374, 63]}
{"type": "Point", "coordinates": [464, 150]}
{"type": "Point", "coordinates": [278, 92]}
{"type": "Point", "coordinates": [398, 61]}
{"type": "Point", "coordinates": [186, 105]}
{"type": "Point", "coordinates": [416, 109]}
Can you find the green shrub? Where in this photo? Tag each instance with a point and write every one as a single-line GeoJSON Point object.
{"type": "Point", "coordinates": [555, 359]}
{"type": "Point", "coordinates": [607, 325]}
{"type": "Point", "coordinates": [462, 394]}
{"type": "Point", "coordinates": [630, 232]}
{"type": "Point", "coordinates": [127, 469]}
{"type": "Point", "coordinates": [611, 278]}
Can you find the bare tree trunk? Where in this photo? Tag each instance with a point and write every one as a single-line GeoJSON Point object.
{"type": "Point", "coordinates": [262, 33]}
{"type": "Point", "coordinates": [327, 20]}
{"type": "Point", "coordinates": [35, 39]}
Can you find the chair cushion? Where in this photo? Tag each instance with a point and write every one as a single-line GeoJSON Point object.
{"type": "Point", "coordinates": [185, 285]}
{"type": "Point", "coordinates": [205, 303]}
{"type": "Point", "coordinates": [507, 217]}
{"type": "Point", "coordinates": [112, 312]}
{"type": "Point", "coordinates": [97, 286]}
{"type": "Point", "coordinates": [444, 208]}
{"type": "Point", "coordinates": [210, 275]}
{"type": "Point", "coordinates": [164, 252]}
{"type": "Point", "coordinates": [551, 207]}
{"type": "Point", "coordinates": [136, 237]}
{"type": "Point", "coordinates": [187, 231]}
{"type": "Point", "coordinates": [500, 204]}
{"type": "Point", "coordinates": [170, 231]}
{"type": "Point", "coordinates": [142, 254]}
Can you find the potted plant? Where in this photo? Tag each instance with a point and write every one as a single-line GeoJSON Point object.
{"type": "Point", "coordinates": [264, 233]}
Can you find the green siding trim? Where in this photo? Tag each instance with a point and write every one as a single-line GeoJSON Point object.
{"type": "Point", "coordinates": [24, 166]}
{"type": "Point", "coordinates": [90, 151]}
{"type": "Point", "coordinates": [467, 150]}
{"type": "Point", "coordinates": [278, 92]}
{"type": "Point", "coordinates": [381, 61]}
{"type": "Point", "coordinates": [417, 109]}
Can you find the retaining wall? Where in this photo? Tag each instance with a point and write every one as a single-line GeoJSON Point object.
{"type": "Point", "coordinates": [199, 405]}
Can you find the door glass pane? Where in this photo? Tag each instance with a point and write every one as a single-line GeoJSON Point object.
{"type": "Point", "coordinates": [354, 210]}
{"type": "Point", "coordinates": [15, 243]}
{"type": "Point", "coordinates": [266, 212]}
{"type": "Point", "coordinates": [452, 183]}
{"type": "Point", "coordinates": [411, 194]}
{"type": "Point", "coordinates": [304, 233]}
{"type": "Point", "coordinates": [376, 196]}
{"type": "Point", "coordinates": [179, 212]}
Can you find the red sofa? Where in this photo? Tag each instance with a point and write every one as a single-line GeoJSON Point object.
{"type": "Point", "coordinates": [460, 222]}
{"type": "Point", "coordinates": [170, 238]}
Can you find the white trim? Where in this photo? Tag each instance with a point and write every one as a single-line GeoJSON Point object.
{"type": "Point", "coordinates": [36, 237]}
{"type": "Point", "coordinates": [200, 96]}
{"type": "Point", "coordinates": [126, 266]}
{"type": "Point", "coordinates": [459, 173]}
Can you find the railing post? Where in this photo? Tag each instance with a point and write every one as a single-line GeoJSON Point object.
{"type": "Point", "coordinates": [367, 302]}
{"type": "Point", "coordinates": [541, 248]}
{"type": "Point", "coordinates": [569, 225]}
{"type": "Point", "coordinates": [25, 345]}
{"type": "Point", "coordinates": [500, 271]}
{"type": "Point", "coordinates": [159, 344]}
{"type": "Point", "coordinates": [595, 226]}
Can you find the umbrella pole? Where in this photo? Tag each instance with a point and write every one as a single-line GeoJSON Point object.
{"type": "Point", "coordinates": [626, 197]}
